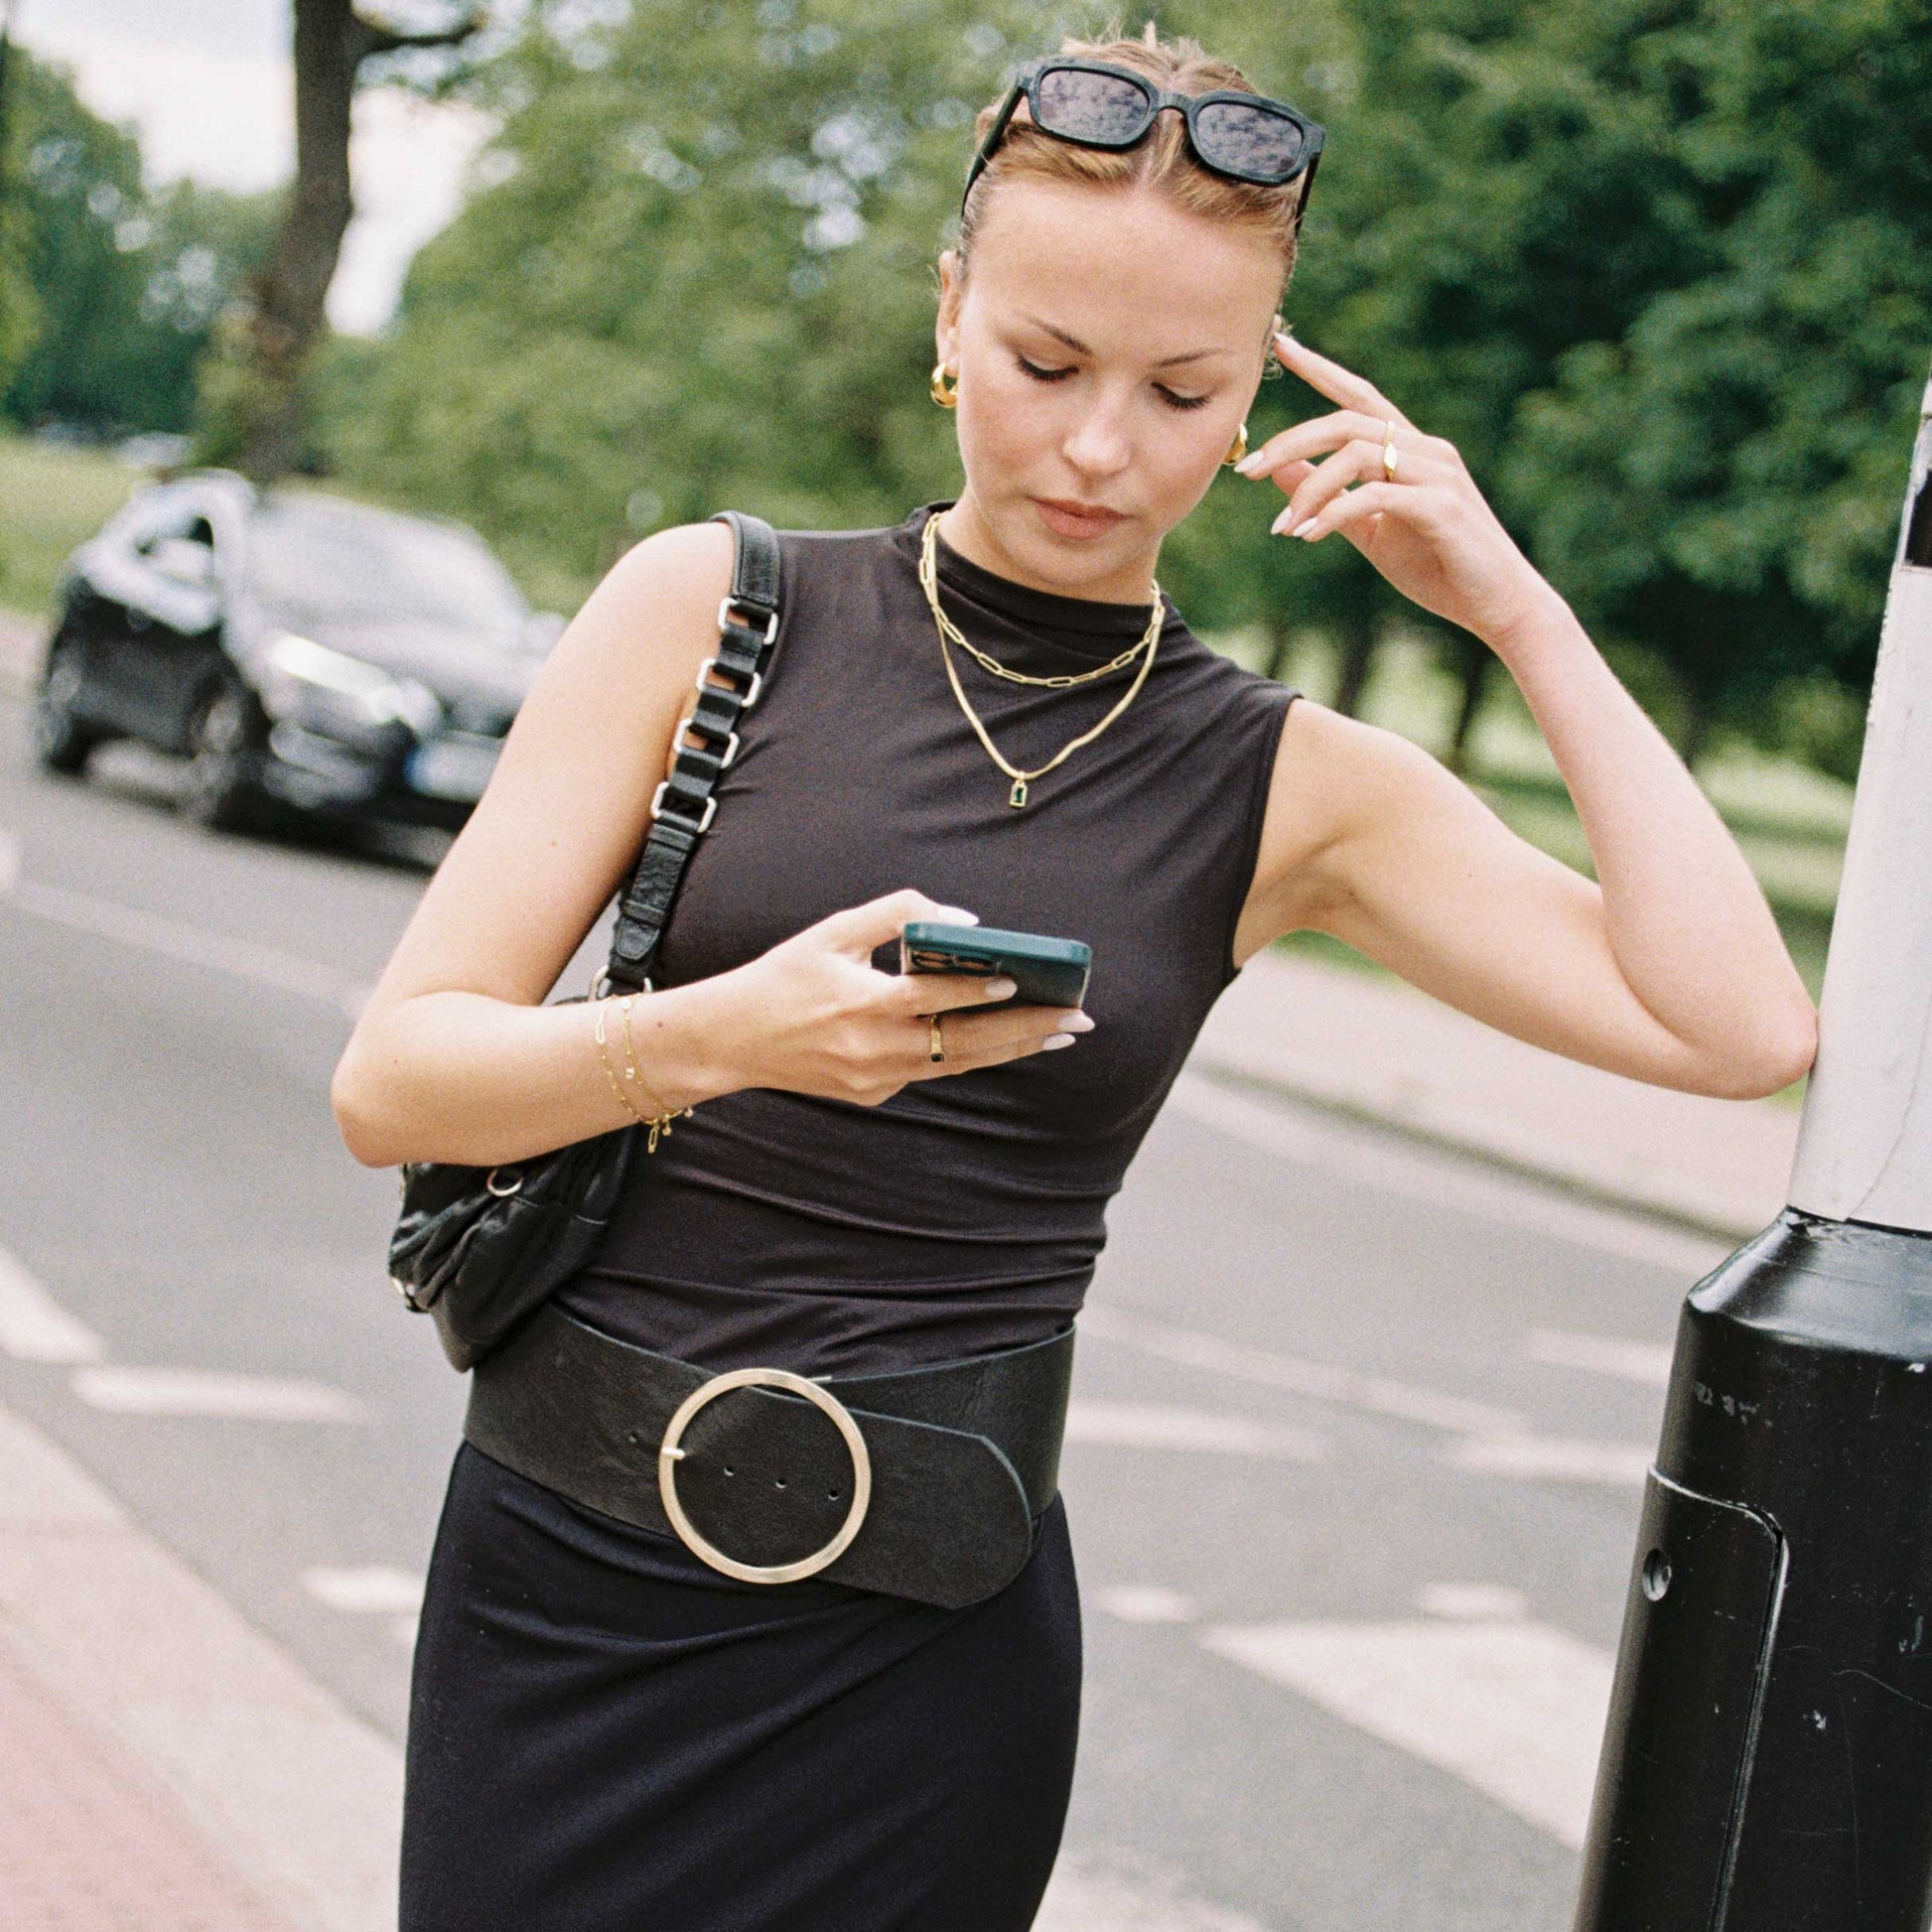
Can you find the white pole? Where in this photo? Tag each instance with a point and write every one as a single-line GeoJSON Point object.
{"type": "Point", "coordinates": [1864, 1148]}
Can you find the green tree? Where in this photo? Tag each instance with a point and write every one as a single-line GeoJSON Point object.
{"type": "Point", "coordinates": [1723, 479]}
{"type": "Point", "coordinates": [127, 285]}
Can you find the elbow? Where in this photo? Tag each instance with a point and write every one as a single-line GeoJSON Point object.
{"type": "Point", "coordinates": [1771, 1062]}
{"type": "Point", "coordinates": [361, 1119]}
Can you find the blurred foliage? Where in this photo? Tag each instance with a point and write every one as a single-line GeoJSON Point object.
{"type": "Point", "coordinates": [126, 284]}
{"type": "Point", "coordinates": [1661, 268]}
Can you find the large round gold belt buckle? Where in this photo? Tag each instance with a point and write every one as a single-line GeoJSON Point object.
{"type": "Point", "coordinates": [670, 1454]}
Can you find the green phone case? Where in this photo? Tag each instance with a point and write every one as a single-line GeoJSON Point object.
{"type": "Point", "coordinates": [1047, 972]}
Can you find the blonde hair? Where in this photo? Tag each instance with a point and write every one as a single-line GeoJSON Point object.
{"type": "Point", "coordinates": [1162, 161]}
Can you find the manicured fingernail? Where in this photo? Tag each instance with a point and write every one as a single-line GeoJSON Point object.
{"type": "Point", "coordinates": [1285, 334]}
{"type": "Point", "coordinates": [1279, 523]}
{"type": "Point", "coordinates": [1253, 464]}
{"type": "Point", "coordinates": [956, 916]}
{"type": "Point", "coordinates": [1305, 529]}
{"type": "Point", "coordinates": [999, 987]}
{"type": "Point", "coordinates": [1054, 1041]}
{"type": "Point", "coordinates": [1075, 1023]}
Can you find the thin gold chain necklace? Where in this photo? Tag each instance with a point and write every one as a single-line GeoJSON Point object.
{"type": "Point", "coordinates": [928, 577]}
{"type": "Point", "coordinates": [1150, 641]}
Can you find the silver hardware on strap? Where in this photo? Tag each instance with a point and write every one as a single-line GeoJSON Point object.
{"type": "Point", "coordinates": [704, 820]}
{"type": "Point", "coordinates": [727, 622]}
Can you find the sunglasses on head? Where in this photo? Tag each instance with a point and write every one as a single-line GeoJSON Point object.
{"type": "Point", "coordinates": [1094, 104]}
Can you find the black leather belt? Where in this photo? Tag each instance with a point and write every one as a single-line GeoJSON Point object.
{"type": "Point", "coordinates": [927, 1485]}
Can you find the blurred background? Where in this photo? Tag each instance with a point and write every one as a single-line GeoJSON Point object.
{"type": "Point", "coordinates": [474, 297]}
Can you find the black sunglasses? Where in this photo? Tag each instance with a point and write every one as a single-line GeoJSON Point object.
{"type": "Point", "coordinates": [1094, 104]}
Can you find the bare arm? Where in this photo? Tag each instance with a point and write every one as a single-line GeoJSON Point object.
{"type": "Point", "coordinates": [1670, 967]}
{"type": "Point", "coordinates": [455, 1059]}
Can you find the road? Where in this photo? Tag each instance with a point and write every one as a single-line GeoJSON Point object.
{"type": "Point", "coordinates": [1355, 1465]}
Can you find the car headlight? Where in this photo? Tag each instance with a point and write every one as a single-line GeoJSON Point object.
{"type": "Point", "coordinates": [340, 696]}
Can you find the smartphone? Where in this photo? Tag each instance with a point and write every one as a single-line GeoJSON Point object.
{"type": "Point", "coordinates": [1047, 972]}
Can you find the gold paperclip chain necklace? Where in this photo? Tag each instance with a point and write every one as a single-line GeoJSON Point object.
{"type": "Point", "coordinates": [1149, 642]}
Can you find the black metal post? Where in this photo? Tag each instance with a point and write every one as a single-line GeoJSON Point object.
{"type": "Point", "coordinates": [1768, 1760]}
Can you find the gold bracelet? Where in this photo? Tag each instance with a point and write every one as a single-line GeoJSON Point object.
{"type": "Point", "coordinates": [609, 1073]}
{"type": "Point", "coordinates": [661, 1121]}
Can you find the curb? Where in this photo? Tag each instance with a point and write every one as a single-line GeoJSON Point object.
{"type": "Point", "coordinates": [302, 1798]}
{"type": "Point", "coordinates": [1713, 1221]}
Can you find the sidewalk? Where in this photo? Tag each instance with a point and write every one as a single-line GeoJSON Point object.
{"type": "Point", "coordinates": [1377, 1050]}
{"type": "Point", "coordinates": [163, 1766]}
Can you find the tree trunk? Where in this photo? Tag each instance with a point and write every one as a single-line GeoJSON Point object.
{"type": "Point", "coordinates": [1476, 658]}
{"type": "Point", "coordinates": [1358, 660]}
{"type": "Point", "coordinates": [290, 294]}
{"type": "Point", "coordinates": [288, 312]}
{"type": "Point", "coordinates": [1694, 735]}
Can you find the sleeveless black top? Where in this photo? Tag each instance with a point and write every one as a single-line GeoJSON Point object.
{"type": "Point", "coordinates": [965, 1213]}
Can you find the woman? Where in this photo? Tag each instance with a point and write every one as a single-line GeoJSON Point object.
{"type": "Point", "coordinates": [607, 1732]}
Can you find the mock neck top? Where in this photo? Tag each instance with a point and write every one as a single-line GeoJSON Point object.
{"type": "Point", "coordinates": [965, 1213]}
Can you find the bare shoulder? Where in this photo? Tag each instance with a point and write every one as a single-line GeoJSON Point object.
{"type": "Point", "coordinates": [566, 810]}
{"type": "Point", "coordinates": [1336, 783]}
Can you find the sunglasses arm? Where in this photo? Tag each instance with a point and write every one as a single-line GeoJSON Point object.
{"type": "Point", "coordinates": [994, 135]}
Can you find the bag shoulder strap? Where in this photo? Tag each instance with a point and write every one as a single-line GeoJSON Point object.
{"type": "Point", "coordinates": [684, 806]}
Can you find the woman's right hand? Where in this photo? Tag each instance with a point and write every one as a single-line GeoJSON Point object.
{"type": "Point", "coordinates": [818, 1018]}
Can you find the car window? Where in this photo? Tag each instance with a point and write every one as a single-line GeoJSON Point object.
{"type": "Point", "coordinates": [313, 562]}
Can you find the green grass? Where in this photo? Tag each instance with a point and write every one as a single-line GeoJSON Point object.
{"type": "Point", "coordinates": [50, 499]}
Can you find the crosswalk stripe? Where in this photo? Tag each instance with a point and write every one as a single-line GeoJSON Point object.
{"type": "Point", "coordinates": [1513, 1708]}
{"type": "Point", "coordinates": [34, 1327]}
{"type": "Point", "coordinates": [1157, 1426]}
{"type": "Point", "coordinates": [1094, 1893]}
{"type": "Point", "coordinates": [208, 1393]}
{"type": "Point", "coordinates": [1648, 1362]}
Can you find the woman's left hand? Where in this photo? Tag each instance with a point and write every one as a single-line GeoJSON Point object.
{"type": "Point", "coordinates": [1426, 528]}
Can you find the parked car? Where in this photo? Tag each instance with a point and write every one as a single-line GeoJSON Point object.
{"type": "Point", "coordinates": [303, 653]}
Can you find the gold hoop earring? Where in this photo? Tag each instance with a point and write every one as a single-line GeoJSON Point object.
{"type": "Point", "coordinates": [946, 398]}
{"type": "Point", "coordinates": [1238, 448]}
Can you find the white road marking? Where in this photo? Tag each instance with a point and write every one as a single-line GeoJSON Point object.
{"type": "Point", "coordinates": [1648, 1362]}
{"type": "Point", "coordinates": [367, 1590]}
{"type": "Point", "coordinates": [1471, 1602]}
{"type": "Point", "coordinates": [1149, 1425]}
{"type": "Point", "coordinates": [1322, 1381]}
{"type": "Point", "coordinates": [1120, 1894]}
{"type": "Point", "coordinates": [34, 1327]}
{"type": "Point", "coordinates": [175, 939]}
{"type": "Point", "coordinates": [1444, 1179]}
{"type": "Point", "coordinates": [1145, 1603]}
{"type": "Point", "coordinates": [1514, 1708]}
{"type": "Point", "coordinates": [209, 1393]}
{"type": "Point", "coordinates": [1552, 1458]}
{"type": "Point", "coordinates": [1491, 1441]}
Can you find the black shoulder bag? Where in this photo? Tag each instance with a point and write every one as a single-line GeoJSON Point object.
{"type": "Point", "coordinates": [482, 1248]}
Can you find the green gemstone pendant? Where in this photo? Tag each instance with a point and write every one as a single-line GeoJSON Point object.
{"type": "Point", "coordinates": [1018, 795]}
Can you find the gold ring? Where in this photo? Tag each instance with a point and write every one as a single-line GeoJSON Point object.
{"type": "Point", "coordinates": [1391, 456]}
{"type": "Point", "coordinates": [938, 1052]}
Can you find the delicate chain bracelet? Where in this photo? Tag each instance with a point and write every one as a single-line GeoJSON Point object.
{"type": "Point", "coordinates": [633, 1083]}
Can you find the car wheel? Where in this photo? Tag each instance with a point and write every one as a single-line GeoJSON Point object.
{"type": "Point", "coordinates": [220, 791]}
{"type": "Point", "coordinates": [60, 741]}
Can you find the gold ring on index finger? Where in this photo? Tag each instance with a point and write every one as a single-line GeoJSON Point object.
{"type": "Point", "coordinates": [1391, 456]}
{"type": "Point", "coordinates": [938, 1039]}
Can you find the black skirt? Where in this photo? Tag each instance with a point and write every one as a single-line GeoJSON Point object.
{"type": "Point", "coordinates": [606, 1736]}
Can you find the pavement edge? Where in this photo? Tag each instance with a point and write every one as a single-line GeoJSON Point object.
{"type": "Point", "coordinates": [300, 1796]}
